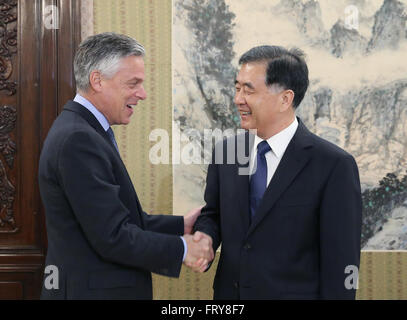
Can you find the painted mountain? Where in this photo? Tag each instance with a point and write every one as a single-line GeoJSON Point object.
{"type": "Point", "coordinates": [357, 99]}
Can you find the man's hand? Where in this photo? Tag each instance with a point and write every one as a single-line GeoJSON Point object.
{"type": "Point", "coordinates": [200, 251]}
{"type": "Point", "coordinates": [190, 218]}
{"type": "Point", "coordinates": [198, 236]}
{"type": "Point", "coordinates": [202, 264]}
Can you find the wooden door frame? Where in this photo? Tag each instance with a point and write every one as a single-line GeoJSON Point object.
{"type": "Point", "coordinates": [44, 79]}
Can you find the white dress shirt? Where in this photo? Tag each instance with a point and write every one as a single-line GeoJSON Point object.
{"type": "Point", "coordinates": [278, 144]}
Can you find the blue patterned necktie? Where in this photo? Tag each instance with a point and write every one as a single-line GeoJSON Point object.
{"type": "Point", "coordinates": [111, 136]}
{"type": "Point", "coordinates": [258, 180]}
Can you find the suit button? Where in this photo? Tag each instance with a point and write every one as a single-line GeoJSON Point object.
{"type": "Point", "coordinates": [236, 284]}
{"type": "Point", "coordinates": [247, 246]}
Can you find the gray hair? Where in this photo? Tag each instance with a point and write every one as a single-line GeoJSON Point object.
{"type": "Point", "coordinates": [103, 52]}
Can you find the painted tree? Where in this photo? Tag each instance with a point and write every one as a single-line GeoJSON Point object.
{"type": "Point", "coordinates": [210, 23]}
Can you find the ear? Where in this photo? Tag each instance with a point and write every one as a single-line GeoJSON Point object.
{"type": "Point", "coordinates": [95, 81]}
{"type": "Point", "coordinates": [287, 98]}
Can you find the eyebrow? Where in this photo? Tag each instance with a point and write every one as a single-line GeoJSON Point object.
{"type": "Point", "coordinates": [246, 84]}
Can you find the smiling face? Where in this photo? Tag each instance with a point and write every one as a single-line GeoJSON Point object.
{"type": "Point", "coordinates": [261, 107]}
{"type": "Point", "coordinates": [120, 93]}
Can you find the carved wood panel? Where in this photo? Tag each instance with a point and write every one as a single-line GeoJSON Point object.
{"type": "Point", "coordinates": [36, 79]}
{"type": "Point", "coordinates": [8, 43]}
{"type": "Point", "coordinates": [8, 113]}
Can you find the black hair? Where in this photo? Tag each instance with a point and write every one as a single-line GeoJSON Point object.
{"type": "Point", "coordinates": [286, 68]}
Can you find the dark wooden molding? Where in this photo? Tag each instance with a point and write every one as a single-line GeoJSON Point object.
{"type": "Point", "coordinates": [36, 80]}
{"type": "Point", "coordinates": [8, 113]}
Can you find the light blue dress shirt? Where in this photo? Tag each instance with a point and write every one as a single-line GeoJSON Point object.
{"type": "Point", "coordinates": [98, 115]}
{"type": "Point", "coordinates": [105, 124]}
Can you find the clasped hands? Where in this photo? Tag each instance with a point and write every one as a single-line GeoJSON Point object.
{"type": "Point", "coordinates": [200, 251]}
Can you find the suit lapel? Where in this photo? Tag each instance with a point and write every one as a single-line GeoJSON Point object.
{"type": "Point", "coordinates": [294, 160]}
{"type": "Point", "coordinates": [89, 117]}
{"type": "Point", "coordinates": [94, 123]}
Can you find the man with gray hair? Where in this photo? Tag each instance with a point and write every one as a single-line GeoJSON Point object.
{"type": "Point", "coordinates": [100, 241]}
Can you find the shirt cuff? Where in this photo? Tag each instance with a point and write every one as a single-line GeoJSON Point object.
{"type": "Point", "coordinates": [185, 248]}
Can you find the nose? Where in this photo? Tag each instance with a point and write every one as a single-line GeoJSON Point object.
{"type": "Point", "coordinates": [141, 94]}
{"type": "Point", "coordinates": [239, 98]}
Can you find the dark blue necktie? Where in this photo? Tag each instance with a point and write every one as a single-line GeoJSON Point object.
{"type": "Point", "coordinates": [111, 136]}
{"type": "Point", "coordinates": [258, 180]}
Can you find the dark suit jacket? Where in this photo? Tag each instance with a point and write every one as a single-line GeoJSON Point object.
{"type": "Point", "coordinates": [99, 238]}
{"type": "Point", "coordinates": [305, 232]}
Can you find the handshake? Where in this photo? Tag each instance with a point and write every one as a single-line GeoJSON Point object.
{"type": "Point", "coordinates": [199, 245]}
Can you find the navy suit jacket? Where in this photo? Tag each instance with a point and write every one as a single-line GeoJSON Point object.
{"type": "Point", "coordinates": [305, 232]}
{"type": "Point", "coordinates": [99, 238]}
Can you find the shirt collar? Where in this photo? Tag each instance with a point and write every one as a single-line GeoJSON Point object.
{"type": "Point", "coordinates": [279, 142]}
{"type": "Point", "coordinates": [98, 115]}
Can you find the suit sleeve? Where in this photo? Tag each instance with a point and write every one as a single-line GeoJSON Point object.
{"type": "Point", "coordinates": [209, 220]}
{"type": "Point", "coordinates": [340, 230]}
{"type": "Point", "coordinates": [87, 177]}
{"type": "Point", "coordinates": [164, 223]}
